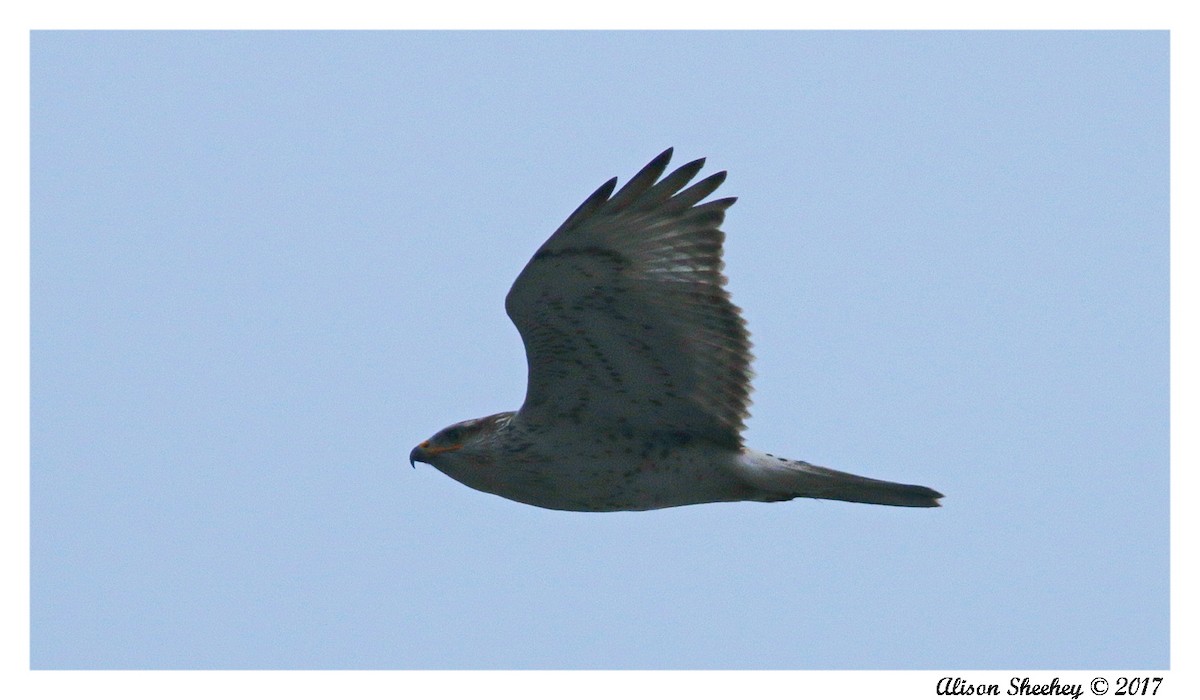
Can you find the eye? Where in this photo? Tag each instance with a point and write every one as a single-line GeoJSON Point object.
{"type": "Point", "coordinates": [452, 435]}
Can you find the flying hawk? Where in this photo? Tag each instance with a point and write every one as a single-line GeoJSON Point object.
{"type": "Point", "coordinates": [639, 370]}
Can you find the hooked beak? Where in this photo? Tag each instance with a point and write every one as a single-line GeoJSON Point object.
{"type": "Point", "coordinates": [422, 453]}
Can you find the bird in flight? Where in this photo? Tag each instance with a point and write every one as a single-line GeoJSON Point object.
{"type": "Point", "coordinates": [639, 370]}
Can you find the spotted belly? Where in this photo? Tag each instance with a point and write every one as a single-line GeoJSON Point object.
{"type": "Point", "coordinates": [642, 475]}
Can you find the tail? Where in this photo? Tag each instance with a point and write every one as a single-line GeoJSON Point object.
{"type": "Point", "coordinates": [784, 479]}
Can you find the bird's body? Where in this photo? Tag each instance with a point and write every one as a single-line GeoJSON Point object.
{"type": "Point", "coordinates": [609, 471]}
{"type": "Point", "coordinates": [639, 370]}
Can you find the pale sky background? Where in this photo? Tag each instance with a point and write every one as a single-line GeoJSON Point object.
{"type": "Point", "coordinates": [265, 265]}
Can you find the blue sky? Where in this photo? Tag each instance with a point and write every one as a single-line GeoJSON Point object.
{"type": "Point", "coordinates": [265, 265]}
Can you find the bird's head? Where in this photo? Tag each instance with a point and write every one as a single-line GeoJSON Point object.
{"type": "Point", "coordinates": [468, 440]}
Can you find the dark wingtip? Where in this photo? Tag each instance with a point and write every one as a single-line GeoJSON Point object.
{"type": "Point", "coordinates": [698, 191]}
{"type": "Point", "coordinates": [594, 201]}
{"type": "Point", "coordinates": [642, 181]}
{"type": "Point", "coordinates": [655, 166]}
{"type": "Point", "coordinates": [605, 191]}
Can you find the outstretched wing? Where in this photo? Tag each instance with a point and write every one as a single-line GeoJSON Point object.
{"type": "Point", "coordinates": [624, 316]}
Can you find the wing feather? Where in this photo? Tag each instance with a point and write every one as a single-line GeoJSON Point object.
{"type": "Point", "coordinates": [700, 190]}
{"type": "Point", "coordinates": [641, 182]}
{"type": "Point", "coordinates": [671, 184]}
{"type": "Point", "coordinates": [624, 314]}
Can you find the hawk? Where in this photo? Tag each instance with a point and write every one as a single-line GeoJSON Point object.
{"type": "Point", "coordinates": [639, 370]}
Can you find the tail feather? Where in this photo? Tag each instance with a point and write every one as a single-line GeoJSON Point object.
{"type": "Point", "coordinates": [785, 479]}
{"type": "Point", "coordinates": [841, 486]}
